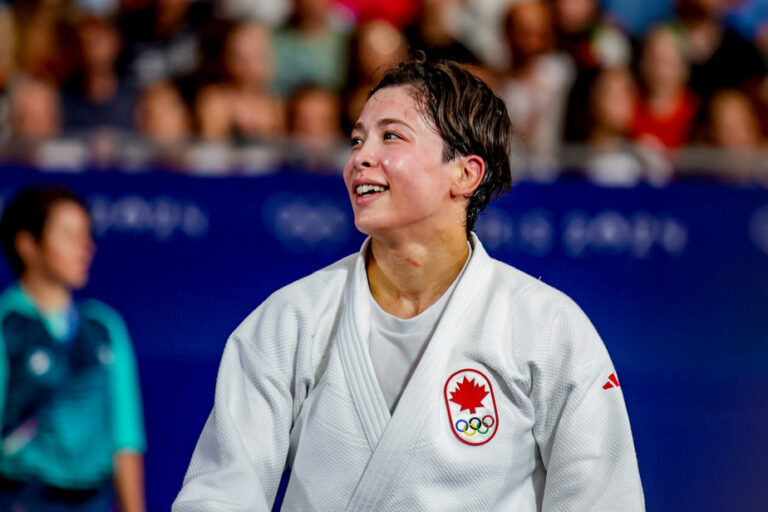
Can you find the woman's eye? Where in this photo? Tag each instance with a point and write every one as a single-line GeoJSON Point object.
{"type": "Point", "coordinates": [391, 136]}
{"type": "Point", "coordinates": [354, 141]}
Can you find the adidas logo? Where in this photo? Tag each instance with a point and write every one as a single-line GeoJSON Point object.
{"type": "Point", "coordinates": [613, 382]}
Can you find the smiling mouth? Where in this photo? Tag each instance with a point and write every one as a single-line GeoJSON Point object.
{"type": "Point", "coordinates": [365, 190]}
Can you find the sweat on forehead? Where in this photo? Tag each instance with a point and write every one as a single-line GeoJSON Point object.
{"type": "Point", "coordinates": [419, 103]}
{"type": "Point", "coordinates": [420, 95]}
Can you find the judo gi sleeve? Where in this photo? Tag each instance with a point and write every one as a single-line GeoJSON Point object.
{"type": "Point", "coordinates": [583, 430]}
{"type": "Point", "coordinates": [242, 451]}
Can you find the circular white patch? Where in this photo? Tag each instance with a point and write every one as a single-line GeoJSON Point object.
{"type": "Point", "coordinates": [105, 355]}
{"type": "Point", "coordinates": [39, 362]}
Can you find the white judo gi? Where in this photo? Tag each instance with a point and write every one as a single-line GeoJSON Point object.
{"type": "Point", "coordinates": [514, 406]}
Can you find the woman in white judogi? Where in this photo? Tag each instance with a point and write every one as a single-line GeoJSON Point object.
{"type": "Point", "coordinates": [418, 374]}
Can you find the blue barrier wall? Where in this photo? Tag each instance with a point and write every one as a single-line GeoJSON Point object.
{"type": "Point", "coordinates": [674, 278]}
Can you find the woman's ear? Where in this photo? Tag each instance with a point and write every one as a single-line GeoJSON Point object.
{"type": "Point", "coordinates": [26, 247]}
{"type": "Point", "coordinates": [471, 170]}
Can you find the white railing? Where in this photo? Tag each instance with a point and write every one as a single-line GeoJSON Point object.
{"type": "Point", "coordinates": [625, 165]}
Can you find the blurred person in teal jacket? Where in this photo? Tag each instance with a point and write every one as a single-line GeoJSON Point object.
{"type": "Point", "coordinates": [72, 426]}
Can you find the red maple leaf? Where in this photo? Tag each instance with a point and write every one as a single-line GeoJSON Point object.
{"type": "Point", "coordinates": [469, 395]}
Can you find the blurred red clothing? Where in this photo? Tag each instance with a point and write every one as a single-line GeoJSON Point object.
{"type": "Point", "coordinates": [671, 127]}
{"type": "Point", "coordinates": [399, 13]}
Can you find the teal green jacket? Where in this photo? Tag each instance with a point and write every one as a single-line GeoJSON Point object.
{"type": "Point", "coordinates": [69, 392]}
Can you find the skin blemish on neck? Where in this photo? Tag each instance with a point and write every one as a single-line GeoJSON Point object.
{"type": "Point", "coordinates": [413, 262]}
{"type": "Point", "coordinates": [410, 261]}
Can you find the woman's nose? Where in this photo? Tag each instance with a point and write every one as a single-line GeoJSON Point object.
{"type": "Point", "coordinates": [365, 156]}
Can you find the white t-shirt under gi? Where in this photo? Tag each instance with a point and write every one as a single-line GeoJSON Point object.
{"type": "Point", "coordinates": [396, 344]}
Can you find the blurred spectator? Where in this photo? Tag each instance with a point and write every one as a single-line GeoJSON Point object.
{"type": "Point", "coordinates": [638, 16]}
{"type": "Point", "coordinates": [593, 44]}
{"type": "Point", "coordinates": [614, 160]}
{"type": "Point", "coordinates": [376, 45]}
{"type": "Point", "coordinates": [236, 72]}
{"type": "Point", "coordinates": [433, 32]}
{"type": "Point", "coordinates": [71, 406]}
{"type": "Point", "coordinates": [98, 7]}
{"type": "Point", "coordinates": [95, 96]}
{"type": "Point", "coordinates": [162, 40]}
{"type": "Point", "coordinates": [272, 13]}
{"type": "Point", "coordinates": [733, 142]}
{"type": "Point", "coordinates": [612, 107]}
{"type": "Point", "coordinates": [7, 49]}
{"type": "Point", "coordinates": [35, 122]}
{"type": "Point", "coordinates": [34, 110]}
{"type": "Point", "coordinates": [314, 124]}
{"type": "Point", "coordinates": [243, 106]}
{"type": "Point", "coordinates": [538, 80]}
{"type": "Point", "coordinates": [313, 118]}
{"type": "Point", "coordinates": [162, 116]}
{"type": "Point", "coordinates": [489, 43]}
{"type": "Point", "coordinates": [310, 49]}
{"type": "Point", "coordinates": [719, 56]}
{"type": "Point", "coordinates": [750, 19]}
{"type": "Point", "coordinates": [399, 13]}
{"type": "Point", "coordinates": [733, 124]}
{"type": "Point", "coordinates": [42, 38]}
{"type": "Point", "coordinates": [583, 32]}
{"type": "Point", "coordinates": [666, 110]}
{"type": "Point", "coordinates": [7, 44]}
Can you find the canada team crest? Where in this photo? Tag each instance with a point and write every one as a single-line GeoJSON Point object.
{"type": "Point", "coordinates": [471, 407]}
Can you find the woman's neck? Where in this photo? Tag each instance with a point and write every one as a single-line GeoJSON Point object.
{"type": "Point", "coordinates": [47, 295]}
{"type": "Point", "coordinates": [406, 278]}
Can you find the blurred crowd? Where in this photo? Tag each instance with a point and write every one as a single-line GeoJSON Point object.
{"type": "Point", "coordinates": [628, 89]}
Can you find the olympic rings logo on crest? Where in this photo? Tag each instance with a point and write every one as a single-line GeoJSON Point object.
{"type": "Point", "coordinates": [486, 422]}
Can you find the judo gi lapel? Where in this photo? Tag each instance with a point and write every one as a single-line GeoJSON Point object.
{"type": "Point", "coordinates": [353, 348]}
{"type": "Point", "coordinates": [395, 442]}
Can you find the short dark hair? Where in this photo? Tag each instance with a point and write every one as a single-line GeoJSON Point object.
{"type": "Point", "coordinates": [469, 117]}
{"type": "Point", "coordinates": [29, 211]}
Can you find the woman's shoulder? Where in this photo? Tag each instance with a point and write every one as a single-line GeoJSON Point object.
{"type": "Point", "coordinates": [292, 318]}
{"type": "Point", "coordinates": [308, 297]}
{"type": "Point", "coordinates": [100, 313]}
{"type": "Point", "coordinates": [556, 326]}
{"type": "Point", "coordinates": [327, 280]}
{"type": "Point", "coordinates": [533, 297]}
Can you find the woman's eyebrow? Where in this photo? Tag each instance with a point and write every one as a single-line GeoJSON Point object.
{"type": "Point", "coordinates": [391, 120]}
{"type": "Point", "coordinates": [359, 126]}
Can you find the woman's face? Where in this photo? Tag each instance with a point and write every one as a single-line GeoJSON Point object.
{"type": "Point", "coordinates": [530, 32]}
{"type": "Point", "coordinates": [395, 175]}
{"type": "Point", "coordinates": [249, 57]}
{"type": "Point", "coordinates": [662, 65]}
{"type": "Point", "coordinates": [162, 114]}
{"type": "Point", "coordinates": [734, 125]}
{"type": "Point", "coordinates": [381, 46]}
{"type": "Point", "coordinates": [65, 250]}
{"type": "Point", "coordinates": [613, 99]}
{"type": "Point", "coordinates": [574, 16]}
{"type": "Point", "coordinates": [99, 44]}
